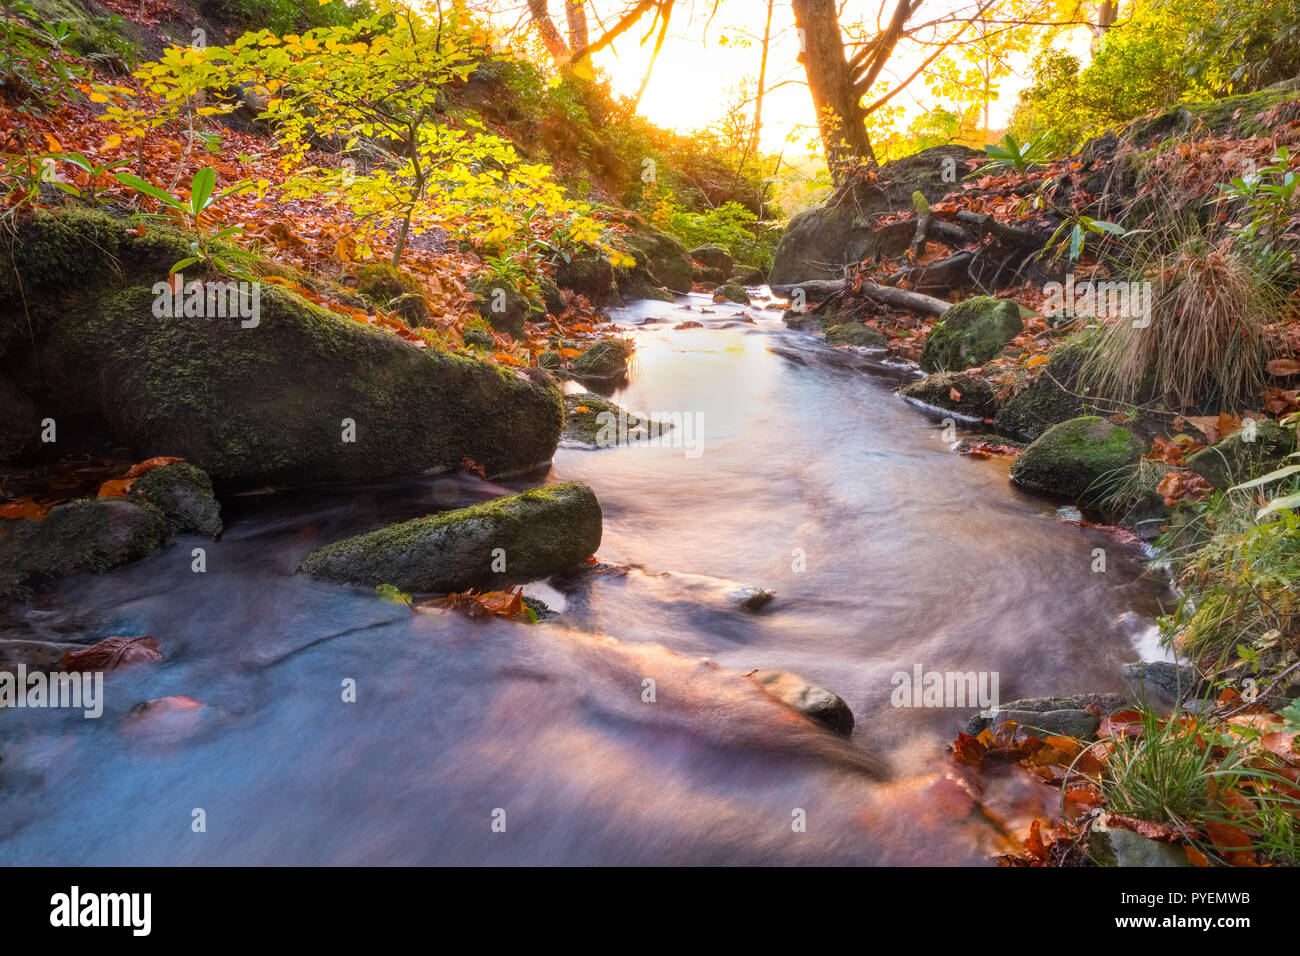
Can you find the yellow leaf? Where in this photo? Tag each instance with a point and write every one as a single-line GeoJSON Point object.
{"type": "Point", "coordinates": [1036, 361]}
{"type": "Point", "coordinates": [112, 142]}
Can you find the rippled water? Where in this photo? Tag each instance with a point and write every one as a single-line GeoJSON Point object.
{"type": "Point", "coordinates": [911, 555]}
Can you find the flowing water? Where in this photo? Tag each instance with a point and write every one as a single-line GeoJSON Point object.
{"type": "Point", "coordinates": [812, 478]}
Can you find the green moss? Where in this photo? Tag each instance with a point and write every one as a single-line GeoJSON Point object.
{"type": "Point", "coordinates": [583, 420]}
{"type": "Point", "coordinates": [391, 289]}
{"type": "Point", "coordinates": [1051, 398]}
{"type": "Point", "coordinates": [1238, 114]}
{"type": "Point", "coordinates": [855, 333]}
{"type": "Point", "coordinates": [608, 358]}
{"type": "Point", "coordinates": [56, 248]}
{"type": "Point", "coordinates": [970, 333]}
{"type": "Point", "coordinates": [535, 533]}
{"type": "Point", "coordinates": [267, 404]}
{"type": "Point", "coordinates": [184, 495]}
{"type": "Point", "coordinates": [1083, 459]}
{"type": "Point", "coordinates": [1234, 459]}
{"type": "Point", "coordinates": [93, 534]}
{"type": "Point", "coordinates": [503, 304]}
{"type": "Point", "coordinates": [661, 260]}
{"type": "Point", "coordinates": [731, 292]}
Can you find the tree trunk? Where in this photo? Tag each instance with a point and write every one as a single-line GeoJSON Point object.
{"type": "Point", "coordinates": [837, 99]}
{"type": "Point", "coordinates": [1107, 14]}
{"type": "Point", "coordinates": [546, 27]}
{"type": "Point", "coordinates": [576, 14]}
{"type": "Point", "coordinates": [762, 78]}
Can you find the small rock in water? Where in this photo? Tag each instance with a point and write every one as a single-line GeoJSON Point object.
{"type": "Point", "coordinates": [812, 700]}
{"type": "Point", "coordinates": [1081, 724]}
{"type": "Point", "coordinates": [754, 599]}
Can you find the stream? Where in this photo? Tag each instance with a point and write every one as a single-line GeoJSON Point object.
{"type": "Point", "coordinates": [812, 478]}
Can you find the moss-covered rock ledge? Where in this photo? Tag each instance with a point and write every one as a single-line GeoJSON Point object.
{"type": "Point", "coordinates": [487, 546]}
{"type": "Point", "coordinates": [303, 396]}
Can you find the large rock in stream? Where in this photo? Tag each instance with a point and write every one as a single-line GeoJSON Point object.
{"type": "Point", "coordinates": [302, 395]}
{"type": "Point", "coordinates": [530, 535]}
{"type": "Point", "coordinates": [1081, 459]}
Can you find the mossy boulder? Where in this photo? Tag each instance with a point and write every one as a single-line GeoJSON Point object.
{"type": "Point", "coordinates": [550, 359]}
{"type": "Point", "coordinates": [1051, 398]}
{"type": "Point", "coordinates": [713, 256]}
{"type": "Point", "coordinates": [593, 420]}
{"type": "Point", "coordinates": [487, 546]}
{"type": "Point", "coordinates": [479, 339]}
{"type": "Point", "coordinates": [964, 394]}
{"type": "Point", "coordinates": [855, 333]}
{"type": "Point", "coordinates": [58, 259]}
{"type": "Point", "coordinates": [304, 395]}
{"type": "Point", "coordinates": [731, 292]}
{"type": "Point", "coordinates": [661, 262]}
{"type": "Point", "coordinates": [20, 423]}
{"type": "Point", "coordinates": [590, 274]}
{"type": "Point", "coordinates": [93, 534]}
{"type": "Point", "coordinates": [746, 275]}
{"type": "Point", "coordinates": [552, 297]}
{"type": "Point", "coordinates": [970, 333]}
{"type": "Point", "coordinates": [607, 359]}
{"type": "Point", "coordinates": [393, 290]}
{"type": "Point", "coordinates": [505, 306]}
{"type": "Point", "coordinates": [184, 495]}
{"type": "Point", "coordinates": [1080, 459]}
{"type": "Point", "coordinates": [1243, 455]}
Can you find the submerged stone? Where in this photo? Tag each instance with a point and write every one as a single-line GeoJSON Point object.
{"type": "Point", "coordinates": [812, 700]}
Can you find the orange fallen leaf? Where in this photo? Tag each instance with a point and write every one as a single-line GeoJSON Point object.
{"type": "Point", "coordinates": [116, 487]}
{"type": "Point", "coordinates": [149, 465]}
{"type": "Point", "coordinates": [25, 508]}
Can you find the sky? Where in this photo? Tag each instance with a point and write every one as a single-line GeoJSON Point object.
{"type": "Point", "coordinates": [703, 60]}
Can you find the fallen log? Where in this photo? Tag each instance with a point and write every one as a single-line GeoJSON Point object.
{"type": "Point", "coordinates": [900, 298]}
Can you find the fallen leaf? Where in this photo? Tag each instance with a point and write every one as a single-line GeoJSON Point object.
{"type": "Point", "coordinates": [112, 653]}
